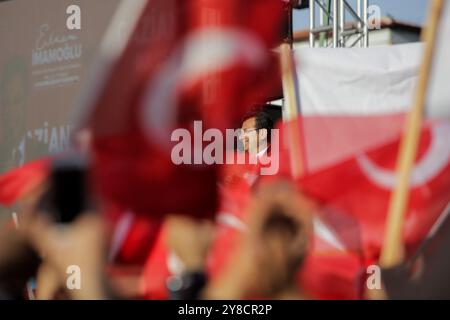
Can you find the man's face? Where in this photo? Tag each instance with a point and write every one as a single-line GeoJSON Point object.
{"type": "Point", "coordinates": [248, 135]}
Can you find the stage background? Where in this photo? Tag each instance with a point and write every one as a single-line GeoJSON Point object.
{"type": "Point", "coordinates": [43, 65]}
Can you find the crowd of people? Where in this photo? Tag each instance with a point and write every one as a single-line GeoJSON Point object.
{"type": "Point", "coordinates": [45, 237]}
{"type": "Point", "coordinates": [63, 244]}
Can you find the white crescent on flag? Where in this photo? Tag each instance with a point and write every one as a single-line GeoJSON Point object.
{"type": "Point", "coordinates": [430, 165]}
{"type": "Point", "coordinates": [204, 52]}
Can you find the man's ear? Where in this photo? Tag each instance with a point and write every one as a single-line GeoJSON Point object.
{"type": "Point", "coordinates": [262, 134]}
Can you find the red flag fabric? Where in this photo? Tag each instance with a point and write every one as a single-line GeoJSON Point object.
{"type": "Point", "coordinates": [327, 140]}
{"type": "Point", "coordinates": [185, 61]}
{"type": "Point", "coordinates": [360, 189]}
{"type": "Point", "coordinates": [156, 270]}
{"type": "Point", "coordinates": [355, 195]}
{"type": "Point", "coordinates": [17, 182]}
{"type": "Point", "coordinates": [133, 236]}
{"type": "Point", "coordinates": [330, 271]}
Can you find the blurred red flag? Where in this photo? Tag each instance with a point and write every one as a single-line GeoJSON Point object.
{"type": "Point", "coordinates": [17, 182]}
{"type": "Point", "coordinates": [359, 190]}
{"type": "Point", "coordinates": [133, 235]}
{"type": "Point", "coordinates": [186, 60]}
{"type": "Point", "coordinates": [355, 193]}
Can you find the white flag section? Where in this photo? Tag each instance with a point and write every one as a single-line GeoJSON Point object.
{"type": "Point", "coordinates": [354, 99]}
{"type": "Point", "coordinates": [438, 103]}
{"type": "Point", "coordinates": [357, 81]}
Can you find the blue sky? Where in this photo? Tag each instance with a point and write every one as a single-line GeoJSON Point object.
{"type": "Point", "coordinates": [413, 11]}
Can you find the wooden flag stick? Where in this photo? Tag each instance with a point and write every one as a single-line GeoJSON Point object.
{"type": "Point", "coordinates": [392, 252]}
{"type": "Point", "coordinates": [291, 108]}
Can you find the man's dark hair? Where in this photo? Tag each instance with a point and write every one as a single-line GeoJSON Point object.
{"type": "Point", "coordinates": [266, 117]}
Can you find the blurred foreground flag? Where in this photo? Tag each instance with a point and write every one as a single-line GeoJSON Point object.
{"type": "Point", "coordinates": [181, 61]}
{"type": "Point", "coordinates": [18, 182]}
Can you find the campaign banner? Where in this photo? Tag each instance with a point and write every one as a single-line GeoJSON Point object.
{"type": "Point", "coordinates": [45, 57]}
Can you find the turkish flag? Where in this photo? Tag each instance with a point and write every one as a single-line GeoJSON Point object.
{"type": "Point", "coordinates": [359, 189]}
{"type": "Point", "coordinates": [185, 61]}
{"type": "Point", "coordinates": [133, 236]}
{"type": "Point", "coordinates": [17, 182]}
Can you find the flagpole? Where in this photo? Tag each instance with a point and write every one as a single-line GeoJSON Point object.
{"type": "Point", "coordinates": [392, 253]}
{"type": "Point", "coordinates": [291, 110]}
